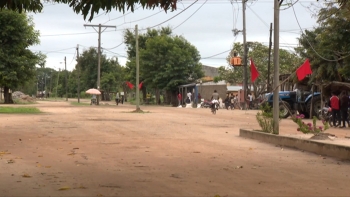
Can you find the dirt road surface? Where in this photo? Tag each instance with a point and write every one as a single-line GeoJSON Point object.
{"type": "Point", "coordinates": [108, 151]}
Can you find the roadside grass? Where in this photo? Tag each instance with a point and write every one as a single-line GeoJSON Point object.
{"type": "Point", "coordinates": [75, 103]}
{"type": "Point", "coordinates": [19, 110]}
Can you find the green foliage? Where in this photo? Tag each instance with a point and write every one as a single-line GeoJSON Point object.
{"type": "Point", "coordinates": [327, 45]}
{"type": "Point", "coordinates": [19, 110]}
{"type": "Point", "coordinates": [17, 62]}
{"type": "Point", "coordinates": [87, 7]}
{"type": "Point", "coordinates": [265, 119]}
{"type": "Point", "coordinates": [259, 53]}
{"type": "Point", "coordinates": [309, 127]}
{"type": "Point", "coordinates": [166, 61]}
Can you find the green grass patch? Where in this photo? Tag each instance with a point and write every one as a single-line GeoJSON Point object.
{"type": "Point", "coordinates": [19, 110]}
{"type": "Point", "coordinates": [75, 103]}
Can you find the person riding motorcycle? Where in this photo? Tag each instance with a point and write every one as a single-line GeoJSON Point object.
{"type": "Point", "coordinates": [215, 99]}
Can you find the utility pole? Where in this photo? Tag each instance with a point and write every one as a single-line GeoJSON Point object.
{"type": "Point", "coordinates": [137, 69]}
{"type": "Point", "coordinates": [245, 51]}
{"type": "Point", "coordinates": [276, 43]}
{"type": "Point", "coordinates": [78, 68]}
{"type": "Point", "coordinates": [269, 63]}
{"type": "Point", "coordinates": [99, 52]}
{"type": "Point", "coordinates": [58, 76]}
{"type": "Point", "coordinates": [65, 68]}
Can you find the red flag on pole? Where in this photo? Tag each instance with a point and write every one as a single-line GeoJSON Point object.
{"type": "Point", "coordinates": [303, 70]}
{"type": "Point", "coordinates": [253, 71]}
{"type": "Point", "coordinates": [131, 86]}
{"type": "Point", "coordinates": [140, 85]}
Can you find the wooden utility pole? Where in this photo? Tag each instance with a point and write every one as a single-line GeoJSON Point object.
{"type": "Point", "coordinates": [58, 76]}
{"type": "Point", "coordinates": [99, 52]}
{"type": "Point", "coordinates": [137, 69]}
{"type": "Point", "coordinates": [79, 70]}
{"type": "Point", "coordinates": [245, 51]}
{"type": "Point", "coordinates": [65, 68]}
{"type": "Point", "coordinates": [269, 63]}
{"type": "Point", "coordinates": [276, 46]}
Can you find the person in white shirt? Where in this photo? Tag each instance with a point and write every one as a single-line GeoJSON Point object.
{"type": "Point", "coordinates": [189, 95]}
{"type": "Point", "coordinates": [250, 101]}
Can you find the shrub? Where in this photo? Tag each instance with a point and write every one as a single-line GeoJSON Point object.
{"type": "Point", "coordinates": [265, 119]}
{"type": "Point", "coordinates": [309, 127]}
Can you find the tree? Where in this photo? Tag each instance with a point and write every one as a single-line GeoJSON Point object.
{"type": "Point", "coordinates": [166, 61]}
{"type": "Point", "coordinates": [17, 62]}
{"type": "Point", "coordinates": [111, 73]}
{"type": "Point", "coordinates": [86, 7]}
{"type": "Point", "coordinates": [259, 53]}
{"type": "Point", "coordinates": [327, 46]}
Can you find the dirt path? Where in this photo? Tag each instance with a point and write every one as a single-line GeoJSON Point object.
{"type": "Point", "coordinates": [107, 151]}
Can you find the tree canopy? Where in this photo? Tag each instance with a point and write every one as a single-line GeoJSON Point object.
{"type": "Point", "coordinates": [17, 62]}
{"type": "Point", "coordinates": [86, 7]}
{"type": "Point", "coordinates": [259, 54]}
{"type": "Point", "coordinates": [327, 46]}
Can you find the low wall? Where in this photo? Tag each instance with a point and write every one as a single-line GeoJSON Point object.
{"type": "Point", "coordinates": [320, 148]}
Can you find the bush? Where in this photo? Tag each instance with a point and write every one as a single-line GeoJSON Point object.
{"type": "Point", "coordinates": [309, 127]}
{"type": "Point", "coordinates": [265, 119]}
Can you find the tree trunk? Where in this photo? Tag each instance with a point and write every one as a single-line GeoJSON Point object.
{"type": "Point", "coordinates": [7, 96]}
{"type": "Point", "coordinates": [157, 96]}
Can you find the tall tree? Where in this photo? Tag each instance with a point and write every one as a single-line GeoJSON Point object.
{"type": "Point", "coordinates": [86, 7]}
{"type": "Point", "coordinates": [166, 61]}
{"type": "Point", "coordinates": [259, 53]}
{"type": "Point", "coordinates": [327, 45]}
{"type": "Point", "coordinates": [17, 62]}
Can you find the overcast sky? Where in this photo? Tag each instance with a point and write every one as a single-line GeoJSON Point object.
{"type": "Point", "coordinates": [209, 28]}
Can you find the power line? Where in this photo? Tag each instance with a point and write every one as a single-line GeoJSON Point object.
{"type": "Point", "coordinates": [215, 55]}
{"type": "Point", "coordinates": [115, 46]}
{"type": "Point", "coordinates": [190, 15]}
{"type": "Point", "coordinates": [115, 53]}
{"type": "Point", "coordinates": [121, 16]}
{"type": "Point", "coordinates": [73, 34]}
{"type": "Point", "coordinates": [173, 16]}
{"type": "Point", "coordinates": [140, 19]}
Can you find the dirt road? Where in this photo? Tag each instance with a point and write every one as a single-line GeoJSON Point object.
{"type": "Point", "coordinates": [107, 151]}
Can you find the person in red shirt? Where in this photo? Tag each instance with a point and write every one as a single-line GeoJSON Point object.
{"type": "Point", "coordinates": [334, 104]}
{"type": "Point", "coordinates": [179, 98]}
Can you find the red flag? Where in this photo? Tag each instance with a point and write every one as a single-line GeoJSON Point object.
{"type": "Point", "coordinates": [131, 86]}
{"type": "Point", "coordinates": [140, 85]}
{"type": "Point", "coordinates": [253, 71]}
{"type": "Point", "coordinates": [303, 70]}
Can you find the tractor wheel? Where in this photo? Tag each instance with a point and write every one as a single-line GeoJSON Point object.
{"type": "Point", "coordinates": [316, 106]}
{"type": "Point", "coordinates": [284, 109]}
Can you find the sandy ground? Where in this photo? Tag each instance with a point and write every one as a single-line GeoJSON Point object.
{"type": "Point", "coordinates": [108, 151]}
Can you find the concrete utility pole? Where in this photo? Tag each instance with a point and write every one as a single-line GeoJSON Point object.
{"type": "Point", "coordinates": [99, 51]}
{"type": "Point", "coordinates": [78, 68]}
{"type": "Point", "coordinates": [276, 42]}
{"type": "Point", "coordinates": [137, 69]}
{"type": "Point", "coordinates": [65, 68]}
{"type": "Point", "coordinates": [269, 63]}
{"type": "Point", "coordinates": [245, 51]}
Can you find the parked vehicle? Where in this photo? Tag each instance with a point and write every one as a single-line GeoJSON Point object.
{"type": "Point", "coordinates": [297, 101]}
{"type": "Point", "coordinates": [205, 104]}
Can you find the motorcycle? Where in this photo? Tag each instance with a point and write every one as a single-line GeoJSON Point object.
{"type": "Point", "coordinates": [205, 104]}
{"type": "Point", "coordinates": [214, 107]}
{"type": "Point", "coordinates": [325, 114]}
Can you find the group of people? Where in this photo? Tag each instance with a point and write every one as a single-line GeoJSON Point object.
{"type": "Point", "coordinates": [339, 106]}
{"type": "Point", "coordinates": [189, 98]}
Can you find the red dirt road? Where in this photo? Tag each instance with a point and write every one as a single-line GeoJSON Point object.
{"type": "Point", "coordinates": [107, 151]}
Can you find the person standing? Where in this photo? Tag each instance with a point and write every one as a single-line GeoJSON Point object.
{"type": "Point", "coordinates": [334, 104]}
{"type": "Point", "coordinates": [179, 98]}
{"type": "Point", "coordinates": [117, 98]}
{"type": "Point", "coordinates": [250, 101]}
{"type": "Point", "coordinates": [344, 104]}
{"type": "Point", "coordinates": [189, 96]}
